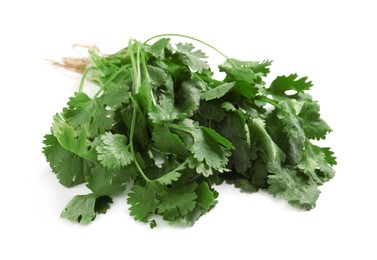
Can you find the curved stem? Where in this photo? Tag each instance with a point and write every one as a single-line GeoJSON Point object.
{"type": "Point", "coordinates": [84, 75]}
{"type": "Point", "coordinates": [136, 79]}
{"type": "Point", "coordinates": [132, 131]}
{"type": "Point", "coordinates": [271, 102]}
{"type": "Point", "coordinates": [188, 37]}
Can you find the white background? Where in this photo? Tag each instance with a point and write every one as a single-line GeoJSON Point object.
{"type": "Point", "coordinates": [332, 42]}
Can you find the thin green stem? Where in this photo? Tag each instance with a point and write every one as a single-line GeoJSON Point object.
{"type": "Point", "coordinates": [132, 131]}
{"type": "Point", "coordinates": [189, 37]}
{"type": "Point", "coordinates": [136, 79]}
{"type": "Point", "coordinates": [138, 70]}
{"type": "Point", "coordinates": [271, 102]}
{"type": "Point", "coordinates": [133, 61]}
{"type": "Point", "coordinates": [145, 68]}
{"type": "Point", "coordinates": [84, 75]}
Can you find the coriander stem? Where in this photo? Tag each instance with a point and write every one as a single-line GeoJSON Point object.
{"type": "Point", "coordinates": [271, 102]}
{"type": "Point", "coordinates": [84, 75]}
{"type": "Point", "coordinates": [133, 123]}
{"type": "Point", "coordinates": [138, 71]}
{"type": "Point", "coordinates": [134, 69]}
{"type": "Point", "coordinates": [136, 80]}
{"type": "Point", "coordinates": [144, 64]}
{"type": "Point", "coordinates": [189, 37]}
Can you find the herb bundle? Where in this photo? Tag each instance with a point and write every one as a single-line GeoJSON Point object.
{"type": "Point", "coordinates": [162, 127]}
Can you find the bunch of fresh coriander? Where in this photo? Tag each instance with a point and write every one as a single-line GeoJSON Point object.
{"type": "Point", "coordinates": [163, 128]}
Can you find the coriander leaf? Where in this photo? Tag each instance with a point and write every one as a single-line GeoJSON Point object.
{"type": "Point", "coordinates": [292, 127]}
{"type": "Point", "coordinates": [218, 138]}
{"type": "Point", "coordinates": [204, 202]}
{"type": "Point", "coordinates": [329, 155]}
{"type": "Point", "coordinates": [104, 182]}
{"type": "Point", "coordinates": [83, 110]}
{"type": "Point", "coordinates": [177, 202]}
{"type": "Point", "coordinates": [168, 142]}
{"type": "Point", "coordinates": [157, 76]}
{"type": "Point", "coordinates": [188, 98]}
{"type": "Point", "coordinates": [315, 165]}
{"type": "Point", "coordinates": [168, 178]}
{"type": "Point", "coordinates": [201, 167]}
{"type": "Point", "coordinates": [206, 148]}
{"type": "Point", "coordinates": [113, 151]}
{"type": "Point", "coordinates": [143, 201]}
{"type": "Point", "coordinates": [239, 70]}
{"type": "Point", "coordinates": [159, 47]}
{"type": "Point", "coordinates": [70, 169]}
{"type": "Point", "coordinates": [210, 111]}
{"type": "Point", "coordinates": [191, 58]}
{"type": "Point", "coordinates": [291, 185]}
{"type": "Point", "coordinates": [102, 204]}
{"type": "Point", "coordinates": [72, 140]}
{"type": "Point", "coordinates": [271, 150]}
{"type": "Point", "coordinates": [233, 129]}
{"type": "Point", "coordinates": [83, 208]}
{"type": "Point", "coordinates": [282, 84]}
{"type": "Point", "coordinates": [113, 97]}
{"type": "Point", "coordinates": [218, 91]}
{"type": "Point", "coordinates": [165, 110]}
{"type": "Point", "coordinates": [314, 126]}
{"type": "Point", "coordinates": [262, 69]}
{"type": "Point", "coordinates": [144, 97]}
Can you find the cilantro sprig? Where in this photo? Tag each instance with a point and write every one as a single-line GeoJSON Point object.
{"type": "Point", "coordinates": [162, 126]}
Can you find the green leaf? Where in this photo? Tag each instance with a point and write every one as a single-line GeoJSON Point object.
{"type": "Point", "coordinates": [315, 165]}
{"type": "Point", "coordinates": [159, 47]}
{"type": "Point", "coordinates": [105, 182]}
{"type": "Point", "coordinates": [218, 138]}
{"type": "Point", "coordinates": [239, 70]}
{"type": "Point", "coordinates": [157, 76]}
{"type": "Point", "coordinates": [83, 110]}
{"type": "Point", "coordinates": [314, 126]}
{"type": "Point", "coordinates": [233, 129]}
{"type": "Point", "coordinates": [70, 169]}
{"type": "Point", "coordinates": [282, 84]}
{"type": "Point", "coordinates": [191, 58]}
{"type": "Point", "coordinates": [292, 127]}
{"type": "Point", "coordinates": [83, 208]}
{"type": "Point", "coordinates": [168, 142]}
{"type": "Point", "coordinates": [143, 201]}
{"type": "Point", "coordinates": [72, 140]}
{"type": "Point", "coordinates": [291, 185]}
{"type": "Point", "coordinates": [205, 201]}
{"type": "Point", "coordinates": [177, 202]}
{"type": "Point", "coordinates": [168, 178]}
{"type": "Point", "coordinates": [207, 149]}
{"type": "Point", "coordinates": [113, 151]}
{"type": "Point", "coordinates": [144, 97]}
{"type": "Point", "coordinates": [258, 132]}
{"type": "Point", "coordinates": [188, 98]}
{"type": "Point", "coordinates": [218, 91]}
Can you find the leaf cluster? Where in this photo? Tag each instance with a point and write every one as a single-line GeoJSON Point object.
{"type": "Point", "coordinates": [162, 126]}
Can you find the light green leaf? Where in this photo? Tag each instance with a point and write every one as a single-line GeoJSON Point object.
{"type": "Point", "coordinates": [218, 91]}
{"type": "Point", "coordinates": [113, 151]}
{"type": "Point", "coordinates": [193, 59]}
